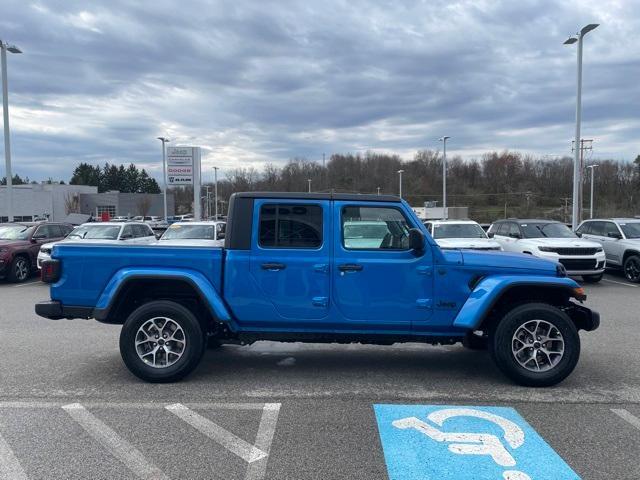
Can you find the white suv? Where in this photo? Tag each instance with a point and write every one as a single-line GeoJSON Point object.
{"type": "Point", "coordinates": [620, 238]}
{"type": "Point", "coordinates": [460, 234]}
{"type": "Point", "coordinates": [117, 233]}
{"type": "Point", "coordinates": [553, 241]}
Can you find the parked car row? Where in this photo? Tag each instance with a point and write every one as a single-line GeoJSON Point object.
{"type": "Point", "coordinates": [595, 244]}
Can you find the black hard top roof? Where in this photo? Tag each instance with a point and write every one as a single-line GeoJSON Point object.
{"type": "Point", "coordinates": [319, 196]}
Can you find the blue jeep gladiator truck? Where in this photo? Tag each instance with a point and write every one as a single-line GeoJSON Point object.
{"type": "Point", "coordinates": [340, 268]}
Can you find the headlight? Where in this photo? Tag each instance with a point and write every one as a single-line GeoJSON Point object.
{"type": "Point", "coordinates": [546, 249]}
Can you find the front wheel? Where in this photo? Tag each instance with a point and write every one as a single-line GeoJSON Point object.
{"type": "Point", "coordinates": [161, 342]}
{"type": "Point", "coordinates": [632, 268]}
{"type": "Point", "coordinates": [19, 270]}
{"type": "Point", "coordinates": [536, 345]}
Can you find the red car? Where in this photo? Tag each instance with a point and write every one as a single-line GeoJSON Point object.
{"type": "Point", "coordinates": [20, 243]}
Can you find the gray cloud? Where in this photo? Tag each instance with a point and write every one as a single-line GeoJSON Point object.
{"type": "Point", "coordinates": [257, 82]}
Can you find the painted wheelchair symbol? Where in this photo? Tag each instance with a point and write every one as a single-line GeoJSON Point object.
{"type": "Point", "coordinates": [472, 443]}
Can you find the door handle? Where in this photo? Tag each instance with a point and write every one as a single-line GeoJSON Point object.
{"type": "Point", "coordinates": [273, 267]}
{"type": "Point", "coordinates": [350, 267]}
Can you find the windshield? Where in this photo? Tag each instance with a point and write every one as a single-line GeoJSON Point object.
{"type": "Point", "coordinates": [546, 230]}
{"type": "Point", "coordinates": [458, 230]}
{"type": "Point", "coordinates": [192, 232]}
{"type": "Point", "coordinates": [631, 230]}
{"type": "Point", "coordinates": [15, 232]}
{"type": "Point", "coordinates": [95, 232]}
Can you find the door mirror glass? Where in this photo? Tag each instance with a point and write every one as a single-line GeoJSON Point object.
{"type": "Point", "coordinates": [515, 235]}
{"type": "Point", "coordinates": [491, 234]}
{"type": "Point", "coordinates": [416, 240]}
{"type": "Point", "coordinates": [614, 235]}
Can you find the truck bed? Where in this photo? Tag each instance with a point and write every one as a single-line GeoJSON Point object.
{"type": "Point", "coordinates": [88, 269]}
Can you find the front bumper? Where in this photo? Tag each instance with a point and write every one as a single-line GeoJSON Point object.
{"type": "Point", "coordinates": [583, 317]}
{"type": "Point", "coordinates": [577, 265]}
{"type": "Point", "coordinates": [54, 310]}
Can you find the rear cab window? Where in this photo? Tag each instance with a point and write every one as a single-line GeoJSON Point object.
{"type": "Point", "coordinates": [290, 225]}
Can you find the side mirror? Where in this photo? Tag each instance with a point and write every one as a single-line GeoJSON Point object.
{"type": "Point", "coordinates": [416, 240]}
{"type": "Point", "coordinates": [491, 234]}
{"type": "Point", "coordinates": [515, 235]}
{"type": "Point", "coordinates": [578, 234]}
{"type": "Point", "coordinates": [126, 237]}
{"type": "Point", "coordinates": [615, 235]}
{"type": "Point", "coordinates": [220, 235]}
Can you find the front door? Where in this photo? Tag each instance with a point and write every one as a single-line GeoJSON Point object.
{"type": "Point", "coordinates": [290, 259]}
{"type": "Point", "coordinates": [379, 284]}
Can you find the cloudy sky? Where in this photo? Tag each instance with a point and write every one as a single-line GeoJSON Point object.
{"type": "Point", "coordinates": [263, 81]}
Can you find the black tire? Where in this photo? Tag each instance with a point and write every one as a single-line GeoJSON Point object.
{"type": "Point", "coordinates": [502, 340]}
{"type": "Point", "coordinates": [592, 278]}
{"type": "Point", "coordinates": [20, 269]}
{"type": "Point", "coordinates": [631, 268]}
{"type": "Point", "coordinates": [191, 353]}
{"type": "Point", "coordinates": [475, 342]}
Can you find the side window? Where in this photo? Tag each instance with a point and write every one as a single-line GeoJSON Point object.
{"type": "Point", "coordinates": [43, 231]}
{"type": "Point", "coordinates": [429, 228]}
{"type": "Point", "coordinates": [290, 226]}
{"type": "Point", "coordinates": [585, 228]}
{"type": "Point", "coordinates": [597, 228]}
{"type": "Point", "coordinates": [55, 231]}
{"type": "Point", "coordinates": [502, 229]}
{"type": "Point", "coordinates": [610, 227]}
{"type": "Point", "coordinates": [367, 228]}
{"type": "Point", "coordinates": [127, 232]}
{"type": "Point", "coordinates": [514, 230]}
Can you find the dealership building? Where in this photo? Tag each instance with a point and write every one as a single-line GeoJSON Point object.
{"type": "Point", "coordinates": [54, 201]}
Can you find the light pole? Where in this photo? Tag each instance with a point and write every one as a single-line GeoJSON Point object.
{"type": "Point", "coordinates": [378, 190]}
{"type": "Point", "coordinates": [207, 208]}
{"type": "Point", "coordinates": [164, 173]}
{"type": "Point", "coordinates": [309, 181]}
{"type": "Point", "coordinates": [593, 168]}
{"type": "Point", "coordinates": [215, 189]}
{"type": "Point", "coordinates": [400, 172]}
{"type": "Point", "coordinates": [577, 169]}
{"type": "Point", "coordinates": [444, 176]}
{"type": "Point", "coordinates": [4, 47]}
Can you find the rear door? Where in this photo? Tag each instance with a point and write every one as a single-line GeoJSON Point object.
{"type": "Point", "coordinates": [291, 251]}
{"type": "Point", "coordinates": [379, 284]}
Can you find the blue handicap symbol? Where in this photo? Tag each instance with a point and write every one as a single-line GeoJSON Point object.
{"type": "Point", "coordinates": [436, 442]}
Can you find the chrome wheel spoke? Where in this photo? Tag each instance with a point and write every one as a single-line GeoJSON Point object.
{"type": "Point", "coordinates": [537, 345]}
{"type": "Point", "coordinates": [160, 342]}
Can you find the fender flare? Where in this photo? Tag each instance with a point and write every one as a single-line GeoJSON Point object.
{"type": "Point", "coordinates": [490, 289]}
{"type": "Point", "coordinates": [202, 286]}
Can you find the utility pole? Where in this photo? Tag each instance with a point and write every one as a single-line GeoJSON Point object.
{"type": "Point", "coordinates": [400, 180]}
{"type": "Point", "coordinates": [592, 167]}
{"type": "Point", "coordinates": [585, 144]}
{"type": "Point", "coordinates": [577, 170]}
{"type": "Point", "coordinates": [565, 212]}
{"type": "Point", "coordinates": [164, 173]}
{"type": "Point", "coordinates": [378, 190]}
{"type": "Point", "coordinates": [215, 180]}
{"type": "Point", "coordinates": [4, 48]}
{"type": "Point", "coordinates": [444, 176]}
{"type": "Point", "coordinates": [207, 207]}
{"type": "Point", "coordinates": [309, 181]}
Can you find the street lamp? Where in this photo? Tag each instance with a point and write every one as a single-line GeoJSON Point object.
{"type": "Point", "coordinates": [378, 190]}
{"type": "Point", "coordinates": [593, 168]}
{"type": "Point", "coordinates": [4, 47]}
{"type": "Point", "coordinates": [309, 181]}
{"type": "Point", "coordinates": [444, 176]}
{"type": "Point", "coordinates": [215, 188]}
{"type": "Point", "coordinates": [577, 169]}
{"type": "Point", "coordinates": [164, 173]}
{"type": "Point", "coordinates": [400, 172]}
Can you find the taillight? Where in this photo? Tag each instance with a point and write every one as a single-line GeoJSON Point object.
{"type": "Point", "coordinates": [50, 271]}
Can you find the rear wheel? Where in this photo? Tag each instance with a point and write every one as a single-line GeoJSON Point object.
{"type": "Point", "coordinates": [19, 269]}
{"type": "Point", "coordinates": [536, 345]}
{"type": "Point", "coordinates": [632, 268]}
{"type": "Point", "coordinates": [161, 341]}
{"type": "Point", "coordinates": [592, 278]}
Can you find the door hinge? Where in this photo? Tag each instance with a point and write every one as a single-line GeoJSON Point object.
{"type": "Point", "coordinates": [320, 301]}
{"type": "Point", "coordinates": [423, 302]}
{"type": "Point", "coordinates": [321, 267]}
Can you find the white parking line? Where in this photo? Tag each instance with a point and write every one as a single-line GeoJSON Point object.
{"type": "Point", "coordinates": [119, 447]}
{"type": "Point", "coordinates": [620, 283]}
{"type": "Point", "coordinates": [266, 430]}
{"type": "Point", "coordinates": [26, 284]}
{"type": "Point", "coordinates": [9, 465]}
{"type": "Point", "coordinates": [228, 440]}
{"type": "Point", "coordinates": [628, 417]}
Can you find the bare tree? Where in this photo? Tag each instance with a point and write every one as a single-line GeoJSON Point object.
{"type": "Point", "coordinates": [71, 203]}
{"type": "Point", "coordinates": [144, 205]}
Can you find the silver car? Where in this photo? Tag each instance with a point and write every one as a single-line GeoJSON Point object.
{"type": "Point", "coordinates": [620, 238]}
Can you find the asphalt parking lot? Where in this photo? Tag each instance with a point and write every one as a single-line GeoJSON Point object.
{"type": "Point", "coordinates": [70, 409]}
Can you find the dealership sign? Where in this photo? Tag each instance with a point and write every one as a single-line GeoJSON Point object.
{"type": "Point", "coordinates": [183, 169]}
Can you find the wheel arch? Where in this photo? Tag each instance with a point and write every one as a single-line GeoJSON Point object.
{"type": "Point", "coordinates": [133, 290]}
{"type": "Point", "coordinates": [629, 252]}
{"type": "Point", "coordinates": [492, 296]}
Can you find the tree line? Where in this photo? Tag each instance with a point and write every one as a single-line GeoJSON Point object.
{"type": "Point", "coordinates": [114, 177]}
{"type": "Point", "coordinates": [495, 185]}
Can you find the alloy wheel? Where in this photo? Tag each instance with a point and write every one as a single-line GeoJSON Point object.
{"type": "Point", "coordinates": [537, 345]}
{"type": "Point", "coordinates": [160, 342]}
